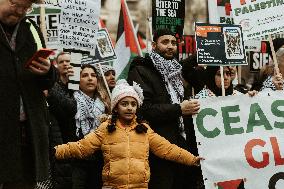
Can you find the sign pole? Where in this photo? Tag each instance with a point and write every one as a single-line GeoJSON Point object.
{"type": "Point", "coordinates": [222, 80]}
{"type": "Point", "coordinates": [273, 54]}
{"type": "Point", "coordinates": [42, 21]}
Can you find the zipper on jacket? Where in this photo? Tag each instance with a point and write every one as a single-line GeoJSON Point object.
{"type": "Point", "coordinates": [128, 146]}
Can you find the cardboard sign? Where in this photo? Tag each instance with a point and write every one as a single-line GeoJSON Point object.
{"type": "Point", "coordinates": [258, 17]}
{"type": "Point", "coordinates": [219, 44]}
{"type": "Point", "coordinates": [241, 139]}
{"type": "Point", "coordinates": [168, 14]}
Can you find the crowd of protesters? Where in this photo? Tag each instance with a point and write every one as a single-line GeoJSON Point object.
{"type": "Point", "coordinates": [139, 136]}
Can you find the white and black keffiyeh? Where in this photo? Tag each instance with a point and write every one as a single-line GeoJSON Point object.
{"type": "Point", "coordinates": [171, 74]}
{"type": "Point", "coordinates": [88, 112]}
{"type": "Point", "coordinates": [268, 84]}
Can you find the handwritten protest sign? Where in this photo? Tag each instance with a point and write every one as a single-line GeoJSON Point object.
{"type": "Point", "coordinates": [79, 24]}
{"type": "Point", "coordinates": [219, 44]}
{"type": "Point", "coordinates": [241, 139]}
{"type": "Point", "coordinates": [258, 17]}
{"type": "Point", "coordinates": [168, 14]}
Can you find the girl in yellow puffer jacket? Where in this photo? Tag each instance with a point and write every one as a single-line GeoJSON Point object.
{"type": "Point", "coordinates": [125, 143]}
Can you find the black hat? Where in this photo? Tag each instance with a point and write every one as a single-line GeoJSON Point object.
{"type": "Point", "coordinates": [160, 32]}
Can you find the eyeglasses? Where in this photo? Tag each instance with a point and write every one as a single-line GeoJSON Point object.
{"type": "Point", "coordinates": [26, 9]}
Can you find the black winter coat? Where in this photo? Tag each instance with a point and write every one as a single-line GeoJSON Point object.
{"type": "Point", "coordinates": [16, 81]}
{"type": "Point", "coordinates": [62, 107]}
{"type": "Point", "coordinates": [157, 109]}
{"type": "Point", "coordinates": [163, 118]}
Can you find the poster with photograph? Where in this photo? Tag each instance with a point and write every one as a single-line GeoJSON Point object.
{"type": "Point", "coordinates": [104, 51]}
{"type": "Point", "coordinates": [104, 44]}
{"type": "Point", "coordinates": [233, 43]}
{"type": "Point", "coordinates": [219, 44]}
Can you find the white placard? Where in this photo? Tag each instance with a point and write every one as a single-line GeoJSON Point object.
{"type": "Point", "coordinates": [74, 80]}
{"type": "Point", "coordinates": [258, 17]}
{"type": "Point", "coordinates": [79, 24]}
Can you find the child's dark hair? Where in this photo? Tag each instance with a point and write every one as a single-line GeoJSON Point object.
{"type": "Point", "coordinates": [140, 128]}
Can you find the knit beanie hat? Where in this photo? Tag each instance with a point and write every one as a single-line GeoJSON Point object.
{"type": "Point", "coordinates": [123, 89]}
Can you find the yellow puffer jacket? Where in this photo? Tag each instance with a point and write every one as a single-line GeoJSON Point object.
{"type": "Point", "coordinates": [125, 153]}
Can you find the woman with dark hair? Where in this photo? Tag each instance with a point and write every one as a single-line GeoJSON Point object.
{"type": "Point", "coordinates": [213, 82]}
{"type": "Point", "coordinates": [92, 102]}
{"type": "Point", "coordinates": [193, 75]}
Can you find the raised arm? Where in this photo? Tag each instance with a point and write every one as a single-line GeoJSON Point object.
{"type": "Point", "coordinates": [82, 148]}
{"type": "Point", "coordinates": [164, 149]}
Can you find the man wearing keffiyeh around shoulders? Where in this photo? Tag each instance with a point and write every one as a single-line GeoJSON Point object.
{"type": "Point", "coordinates": [159, 75]}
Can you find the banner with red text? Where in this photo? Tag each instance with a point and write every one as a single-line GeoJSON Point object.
{"type": "Point", "coordinates": [241, 139]}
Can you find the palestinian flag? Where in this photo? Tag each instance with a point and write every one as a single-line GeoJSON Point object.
{"type": "Point", "coordinates": [127, 46]}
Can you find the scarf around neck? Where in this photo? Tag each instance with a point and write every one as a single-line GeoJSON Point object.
{"type": "Point", "coordinates": [170, 71]}
{"type": "Point", "coordinates": [88, 112]}
{"type": "Point", "coordinates": [171, 74]}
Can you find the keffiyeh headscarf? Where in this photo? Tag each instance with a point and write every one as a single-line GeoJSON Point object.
{"type": "Point", "coordinates": [171, 74]}
{"type": "Point", "coordinates": [88, 112]}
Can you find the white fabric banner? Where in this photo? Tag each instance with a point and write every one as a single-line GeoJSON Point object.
{"type": "Point", "coordinates": [242, 141]}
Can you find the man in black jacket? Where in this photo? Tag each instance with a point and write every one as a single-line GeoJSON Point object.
{"type": "Point", "coordinates": [159, 75]}
{"type": "Point", "coordinates": [23, 112]}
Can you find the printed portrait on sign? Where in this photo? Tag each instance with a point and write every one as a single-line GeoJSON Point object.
{"type": "Point", "coordinates": [233, 43]}
{"type": "Point", "coordinates": [104, 45]}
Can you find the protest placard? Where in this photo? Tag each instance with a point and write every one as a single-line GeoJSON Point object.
{"type": "Point", "coordinates": [168, 14]}
{"type": "Point", "coordinates": [257, 60]}
{"type": "Point", "coordinates": [186, 47]}
{"type": "Point", "coordinates": [219, 44]}
{"type": "Point", "coordinates": [258, 17]}
{"type": "Point", "coordinates": [220, 11]}
{"type": "Point", "coordinates": [241, 139]}
{"type": "Point", "coordinates": [79, 24]}
{"type": "Point", "coordinates": [104, 52]}
{"type": "Point", "coordinates": [52, 17]}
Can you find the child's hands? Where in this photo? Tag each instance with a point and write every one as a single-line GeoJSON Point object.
{"type": "Point", "coordinates": [197, 160]}
{"type": "Point", "coordinates": [252, 93]}
{"type": "Point", "coordinates": [103, 118]}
